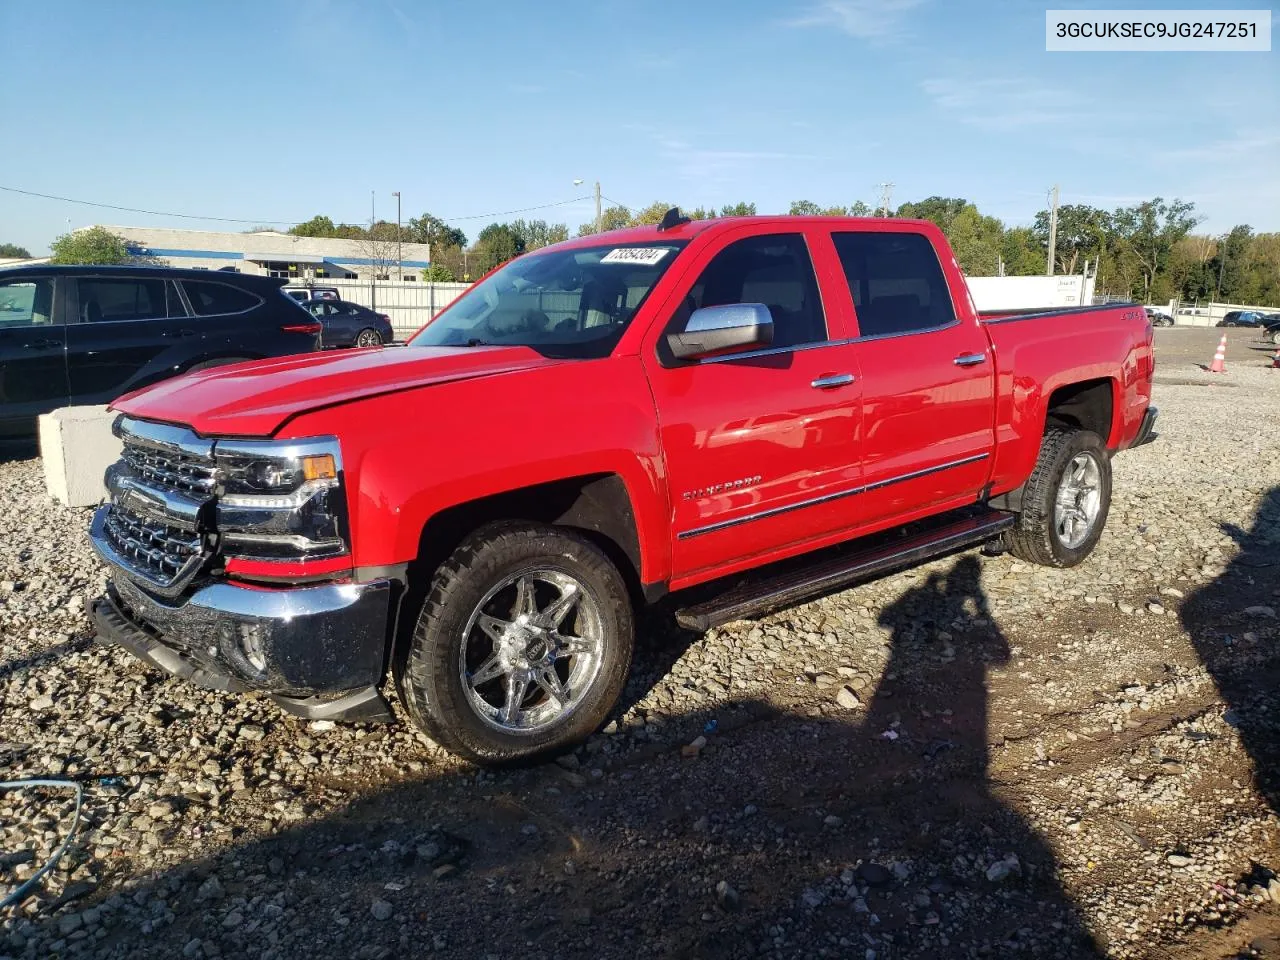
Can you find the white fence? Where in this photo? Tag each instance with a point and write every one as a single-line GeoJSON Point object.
{"type": "Point", "coordinates": [1208, 314]}
{"type": "Point", "coordinates": [408, 304]}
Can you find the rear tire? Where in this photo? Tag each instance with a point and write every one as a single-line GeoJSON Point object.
{"type": "Point", "coordinates": [368, 337]}
{"type": "Point", "coordinates": [566, 634]}
{"type": "Point", "coordinates": [1065, 501]}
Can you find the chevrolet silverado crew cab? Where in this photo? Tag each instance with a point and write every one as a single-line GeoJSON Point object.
{"type": "Point", "coordinates": [741, 413]}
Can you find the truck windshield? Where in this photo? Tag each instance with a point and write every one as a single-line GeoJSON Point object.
{"type": "Point", "coordinates": [563, 303]}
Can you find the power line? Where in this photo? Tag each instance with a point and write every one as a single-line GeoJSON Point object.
{"type": "Point", "coordinates": [618, 204]}
{"type": "Point", "coordinates": [153, 213]}
{"type": "Point", "coordinates": [507, 213]}
{"type": "Point", "coordinates": [258, 220]}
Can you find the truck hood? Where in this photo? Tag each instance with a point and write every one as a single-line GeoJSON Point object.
{"type": "Point", "coordinates": [255, 399]}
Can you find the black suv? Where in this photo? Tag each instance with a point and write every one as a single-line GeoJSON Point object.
{"type": "Point", "coordinates": [86, 335]}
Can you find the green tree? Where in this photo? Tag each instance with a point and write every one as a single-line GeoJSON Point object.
{"type": "Point", "coordinates": [538, 233]}
{"type": "Point", "coordinates": [1145, 236]}
{"type": "Point", "coordinates": [92, 245]}
{"type": "Point", "coordinates": [15, 251]}
{"type": "Point", "coordinates": [496, 244]}
{"type": "Point", "coordinates": [433, 230]}
{"type": "Point", "coordinates": [1022, 253]}
{"type": "Point", "coordinates": [317, 226]}
{"type": "Point", "coordinates": [804, 208]}
{"type": "Point", "coordinates": [438, 273]}
{"type": "Point", "coordinates": [737, 210]}
{"type": "Point", "coordinates": [611, 218]}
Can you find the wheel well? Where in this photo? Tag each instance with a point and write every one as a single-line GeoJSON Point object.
{"type": "Point", "coordinates": [1085, 406]}
{"type": "Point", "coordinates": [596, 505]}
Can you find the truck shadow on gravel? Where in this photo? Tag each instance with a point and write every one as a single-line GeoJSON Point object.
{"type": "Point", "coordinates": [1232, 624]}
{"type": "Point", "coordinates": [799, 830]}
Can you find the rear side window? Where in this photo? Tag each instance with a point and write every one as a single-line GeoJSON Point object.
{"type": "Point", "coordinates": [896, 281]}
{"type": "Point", "coordinates": [114, 299]}
{"type": "Point", "coordinates": [208, 299]}
{"type": "Point", "coordinates": [774, 270]}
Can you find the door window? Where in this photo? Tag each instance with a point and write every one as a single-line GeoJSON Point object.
{"type": "Point", "coordinates": [896, 281]}
{"type": "Point", "coordinates": [26, 303]}
{"type": "Point", "coordinates": [209, 299]}
{"type": "Point", "coordinates": [107, 299]}
{"type": "Point", "coordinates": [774, 270]}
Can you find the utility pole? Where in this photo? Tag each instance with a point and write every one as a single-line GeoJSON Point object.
{"type": "Point", "coordinates": [399, 252]}
{"type": "Point", "coordinates": [599, 219]}
{"type": "Point", "coordinates": [1053, 232]}
{"type": "Point", "coordinates": [1222, 263]}
{"type": "Point", "coordinates": [886, 192]}
{"type": "Point", "coordinates": [373, 267]}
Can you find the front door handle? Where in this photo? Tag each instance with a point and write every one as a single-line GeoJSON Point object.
{"type": "Point", "coordinates": [969, 359]}
{"type": "Point", "coordinates": [42, 344]}
{"type": "Point", "coordinates": [181, 333]}
{"type": "Point", "coordinates": [832, 380]}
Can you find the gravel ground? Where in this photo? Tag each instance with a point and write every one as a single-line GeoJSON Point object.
{"type": "Point", "coordinates": [975, 758]}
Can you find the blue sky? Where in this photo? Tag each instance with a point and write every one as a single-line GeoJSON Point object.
{"type": "Point", "coordinates": [273, 111]}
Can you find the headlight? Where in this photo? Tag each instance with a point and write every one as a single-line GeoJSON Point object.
{"type": "Point", "coordinates": [281, 500]}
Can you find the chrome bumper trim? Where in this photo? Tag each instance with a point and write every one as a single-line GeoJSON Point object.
{"type": "Point", "coordinates": [324, 639]}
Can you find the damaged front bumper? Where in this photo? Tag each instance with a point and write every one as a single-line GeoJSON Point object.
{"type": "Point", "coordinates": [318, 650]}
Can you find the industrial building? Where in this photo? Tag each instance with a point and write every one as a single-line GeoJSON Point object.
{"type": "Point", "coordinates": [279, 254]}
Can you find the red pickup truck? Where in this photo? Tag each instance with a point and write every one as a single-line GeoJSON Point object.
{"type": "Point", "coordinates": [764, 409]}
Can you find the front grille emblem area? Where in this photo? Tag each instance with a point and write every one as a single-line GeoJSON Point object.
{"type": "Point", "coordinates": [162, 491]}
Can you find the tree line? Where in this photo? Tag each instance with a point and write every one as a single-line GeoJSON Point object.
{"type": "Point", "coordinates": [1149, 251]}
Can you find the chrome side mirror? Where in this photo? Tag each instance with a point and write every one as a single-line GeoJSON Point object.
{"type": "Point", "coordinates": [712, 330]}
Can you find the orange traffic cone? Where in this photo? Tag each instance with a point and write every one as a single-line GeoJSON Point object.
{"type": "Point", "coordinates": [1219, 364]}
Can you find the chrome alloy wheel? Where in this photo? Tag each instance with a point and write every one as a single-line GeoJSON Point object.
{"type": "Point", "coordinates": [1079, 500]}
{"type": "Point", "coordinates": [531, 650]}
{"type": "Point", "coordinates": [368, 338]}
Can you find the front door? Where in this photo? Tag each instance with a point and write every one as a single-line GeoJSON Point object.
{"type": "Point", "coordinates": [33, 366]}
{"type": "Point", "coordinates": [928, 382]}
{"type": "Point", "coordinates": [760, 447]}
{"type": "Point", "coordinates": [126, 325]}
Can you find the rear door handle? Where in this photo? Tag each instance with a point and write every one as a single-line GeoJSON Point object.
{"type": "Point", "coordinates": [832, 380]}
{"type": "Point", "coordinates": [42, 344]}
{"type": "Point", "coordinates": [969, 359]}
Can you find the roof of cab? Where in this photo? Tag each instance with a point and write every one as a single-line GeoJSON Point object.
{"type": "Point", "coordinates": [686, 231]}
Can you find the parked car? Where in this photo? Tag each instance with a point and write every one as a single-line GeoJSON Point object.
{"type": "Point", "coordinates": [86, 335]}
{"type": "Point", "coordinates": [349, 324]}
{"type": "Point", "coordinates": [1158, 317]}
{"type": "Point", "coordinates": [1241, 318]}
{"type": "Point", "coordinates": [598, 424]}
{"type": "Point", "coordinates": [1271, 327]}
{"type": "Point", "coordinates": [303, 294]}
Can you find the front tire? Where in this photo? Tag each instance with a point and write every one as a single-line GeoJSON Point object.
{"type": "Point", "coordinates": [1065, 501]}
{"type": "Point", "coordinates": [522, 647]}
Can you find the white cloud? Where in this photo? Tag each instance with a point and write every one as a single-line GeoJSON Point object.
{"type": "Point", "coordinates": [873, 20]}
{"type": "Point", "coordinates": [707, 166]}
{"type": "Point", "coordinates": [1006, 103]}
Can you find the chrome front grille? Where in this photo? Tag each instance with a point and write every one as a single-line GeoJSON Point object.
{"type": "Point", "coordinates": [180, 472]}
{"type": "Point", "coordinates": [157, 527]}
{"type": "Point", "coordinates": [160, 553]}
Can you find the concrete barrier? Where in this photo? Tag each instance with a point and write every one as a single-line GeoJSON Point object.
{"type": "Point", "coordinates": [76, 447]}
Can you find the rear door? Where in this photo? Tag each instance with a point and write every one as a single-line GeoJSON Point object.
{"type": "Point", "coordinates": [128, 330]}
{"type": "Point", "coordinates": [928, 382]}
{"type": "Point", "coordinates": [33, 337]}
